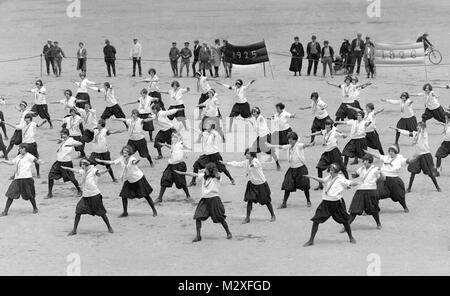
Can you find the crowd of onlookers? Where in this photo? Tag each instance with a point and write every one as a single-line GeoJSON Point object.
{"type": "Point", "coordinates": [207, 58]}
{"type": "Point", "coordinates": [347, 61]}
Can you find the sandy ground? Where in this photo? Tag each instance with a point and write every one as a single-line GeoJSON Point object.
{"type": "Point", "coordinates": [409, 244]}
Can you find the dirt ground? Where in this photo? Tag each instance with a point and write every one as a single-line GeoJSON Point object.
{"type": "Point", "coordinates": [409, 244]}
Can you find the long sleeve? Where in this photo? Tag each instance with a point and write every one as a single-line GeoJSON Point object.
{"type": "Point", "coordinates": [393, 102]}
{"type": "Point", "coordinates": [238, 164]}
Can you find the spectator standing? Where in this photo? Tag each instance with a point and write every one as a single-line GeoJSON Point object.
{"type": "Point", "coordinates": [216, 56]}
{"type": "Point", "coordinates": [186, 55]}
{"type": "Point", "coordinates": [297, 52]}
{"type": "Point", "coordinates": [109, 52]}
{"type": "Point", "coordinates": [174, 55]}
{"type": "Point", "coordinates": [357, 52]}
{"type": "Point", "coordinates": [228, 66]}
{"type": "Point", "coordinates": [369, 58]}
{"type": "Point", "coordinates": [82, 57]}
{"type": "Point", "coordinates": [313, 54]}
{"type": "Point", "coordinates": [136, 56]}
{"type": "Point", "coordinates": [59, 55]}
{"type": "Point", "coordinates": [196, 53]}
{"type": "Point", "coordinates": [327, 58]}
{"type": "Point", "coordinates": [205, 59]}
{"type": "Point", "coordinates": [344, 52]}
{"type": "Point", "coordinates": [49, 59]}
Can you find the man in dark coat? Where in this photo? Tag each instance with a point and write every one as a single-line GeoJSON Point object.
{"type": "Point", "coordinates": [357, 52]}
{"type": "Point", "coordinates": [110, 58]}
{"type": "Point", "coordinates": [49, 56]}
{"type": "Point", "coordinates": [196, 52]}
{"type": "Point", "coordinates": [344, 52]}
{"type": "Point", "coordinates": [298, 53]}
{"type": "Point", "coordinates": [313, 54]}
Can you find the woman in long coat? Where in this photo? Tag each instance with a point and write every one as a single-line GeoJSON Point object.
{"type": "Point", "coordinates": [298, 53]}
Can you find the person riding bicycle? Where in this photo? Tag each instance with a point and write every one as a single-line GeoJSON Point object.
{"type": "Point", "coordinates": [424, 39]}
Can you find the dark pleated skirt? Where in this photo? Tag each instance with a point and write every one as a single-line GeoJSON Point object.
{"type": "Point", "coordinates": [91, 206]}
{"type": "Point", "coordinates": [56, 172]}
{"type": "Point", "coordinates": [424, 163]}
{"type": "Point", "coordinates": [204, 159]}
{"type": "Point", "coordinates": [179, 113]}
{"type": "Point", "coordinates": [21, 188]}
{"type": "Point", "coordinates": [391, 187]}
{"type": "Point", "coordinates": [258, 193]}
{"type": "Point", "coordinates": [295, 179]}
{"type": "Point", "coordinates": [164, 137]}
{"type": "Point", "coordinates": [101, 156]}
{"type": "Point", "coordinates": [242, 109]}
{"type": "Point", "coordinates": [115, 110]}
{"type": "Point", "coordinates": [169, 177]}
{"type": "Point", "coordinates": [409, 124]}
{"type": "Point", "coordinates": [335, 209]}
{"type": "Point", "coordinates": [345, 112]}
{"type": "Point", "coordinates": [16, 139]}
{"type": "Point", "coordinates": [139, 146]}
{"type": "Point", "coordinates": [373, 140]}
{"type": "Point", "coordinates": [260, 145]}
{"type": "Point", "coordinates": [438, 114]}
{"type": "Point", "coordinates": [444, 150]}
{"type": "Point", "coordinates": [281, 137]}
{"type": "Point", "coordinates": [330, 157]}
{"type": "Point", "coordinates": [147, 126]}
{"type": "Point", "coordinates": [210, 207]}
{"type": "Point", "coordinates": [365, 201]}
{"type": "Point", "coordinates": [355, 148]}
{"type": "Point", "coordinates": [139, 189]}
{"type": "Point", "coordinates": [85, 97]}
{"type": "Point", "coordinates": [319, 124]}
{"type": "Point", "coordinates": [88, 136]}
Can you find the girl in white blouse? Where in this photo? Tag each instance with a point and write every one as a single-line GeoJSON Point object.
{"type": "Point", "coordinates": [176, 102]}
{"type": "Point", "coordinates": [135, 184]}
{"type": "Point", "coordinates": [210, 205]}
{"type": "Point", "coordinates": [424, 163]}
{"type": "Point", "coordinates": [92, 201]}
{"type": "Point", "coordinates": [332, 204]}
{"type": "Point", "coordinates": [23, 183]}
{"type": "Point", "coordinates": [408, 120]}
{"type": "Point", "coordinates": [366, 196]}
{"type": "Point", "coordinates": [258, 190]}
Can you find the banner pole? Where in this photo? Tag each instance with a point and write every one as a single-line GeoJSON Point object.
{"type": "Point", "coordinates": [264, 68]}
{"type": "Point", "coordinates": [41, 64]}
{"type": "Point", "coordinates": [271, 71]}
{"type": "Point", "coordinates": [425, 67]}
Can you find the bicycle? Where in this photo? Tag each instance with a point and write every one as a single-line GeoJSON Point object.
{"type": "Point", "coordinates": [434, 55]}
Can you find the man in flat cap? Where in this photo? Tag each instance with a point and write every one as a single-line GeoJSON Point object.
{"type": "Point", "coordinates": [186, 55]}
{"type": "Point", "coordinates": [174, 55]}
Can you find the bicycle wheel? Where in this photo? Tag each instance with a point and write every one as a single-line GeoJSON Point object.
{"type": "Point", "coordinates": [435, 57]}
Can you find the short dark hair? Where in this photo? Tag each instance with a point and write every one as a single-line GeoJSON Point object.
{"type": "Point", "coordinates": [280, 106]}
{"type": "Point", "coordinates": [23, 146]}
{"type": "Point", "coordinates": [370, 106]}
{"type": "Point", "coordinates": [152, 70]}
{"type": "Point", "coordinates": [293, 136]}
{"type": "Point", "coordinates": [65, 131]}
{"type": "Point", "coordinates": [315, 95]}
{"type": "Point", "coordinates": [68, 91]}
{"type": "Point", "coordinates": [251, 153]}
{"type": "Point", "coordinates": [368, 157]}
{"type": "Point", "coordinates": [175, 83]}
{"type": "Point", "coordinates": [428, 85]}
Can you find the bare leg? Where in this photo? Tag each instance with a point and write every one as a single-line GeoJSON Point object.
{"type": "Point", "coordinates": [198, 226]}
{"type": "Point", "coordinates": [125, 208]}
{"type": "Point", "coordinates": [314, 230]}
{"type": "Point", "coordinates": [75, 225]}
{"type": "Point", "coordinates": [9, 202]}
{"type": "Point", "coordinates": [152, 205]}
